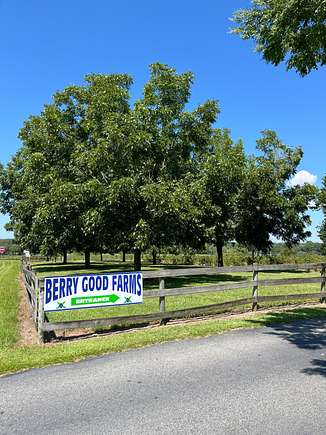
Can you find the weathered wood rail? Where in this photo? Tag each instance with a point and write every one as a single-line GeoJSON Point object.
{"type": "Point", "coordinates": [31, 284]}
{"type": "Point", "coordinates": [35, 291]}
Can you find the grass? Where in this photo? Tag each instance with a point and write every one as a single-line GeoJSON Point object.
{"type": "Point", "coordinates": [9, 302]}
{"type": "Point", "coordinates": [15, 358]}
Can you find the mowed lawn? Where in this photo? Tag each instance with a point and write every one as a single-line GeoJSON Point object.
{"type": "Point", "coordinates": [16, 357]}
{"type": "Point", "coordinates": [151, 305]}
{"type": "Point", "coordinates": [9, 302]}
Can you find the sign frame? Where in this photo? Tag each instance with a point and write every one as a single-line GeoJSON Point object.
{"type": "Point", "coordinates": [78, 293]}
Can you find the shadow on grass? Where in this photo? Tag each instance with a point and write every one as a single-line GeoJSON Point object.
{"type": "Point", "coordinates": [176, 266]}
{"type": "Point", "coordinates": [308, 332]}
{"type": "Point", "coordinates": [99, 266]}
{"type": "Point", "coordinates": [203, 279]}
{"type": "Point", "coordinates": [79, 267]}
{"type": "Point", "coordinates": [277, 272]}
{"type": "Point", "coordinates": [194, 280]}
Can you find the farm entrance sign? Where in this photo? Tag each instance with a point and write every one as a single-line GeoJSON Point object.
{"type": "Point", "coordinates": [90, 291]}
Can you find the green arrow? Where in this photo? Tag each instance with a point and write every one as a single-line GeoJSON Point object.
{"type": "Point", "coordinates": [114, 298]}
{"type": "Point", "coordinates": [89, 300]}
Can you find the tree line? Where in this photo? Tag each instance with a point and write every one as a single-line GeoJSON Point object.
{"type": "Point", "coordinates": [96, 172]}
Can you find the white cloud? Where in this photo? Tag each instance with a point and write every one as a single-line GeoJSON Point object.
{"type": "Point", "coordinates": [303, 177]}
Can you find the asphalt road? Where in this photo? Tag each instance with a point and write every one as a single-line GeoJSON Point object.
{"type": "Point", "coordinates": [266, 381]}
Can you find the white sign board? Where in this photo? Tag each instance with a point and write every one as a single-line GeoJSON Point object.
{"type": "Point", "coordinates": [92, 291]}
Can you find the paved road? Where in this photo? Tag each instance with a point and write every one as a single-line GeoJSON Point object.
{"type": "Point", "coordinates": [266, 381]}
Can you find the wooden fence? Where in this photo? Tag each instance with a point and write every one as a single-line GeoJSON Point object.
{"type": "Point", "coordinates": [32, 287]}
{"type": "Point", "coordinates": [35, 292]}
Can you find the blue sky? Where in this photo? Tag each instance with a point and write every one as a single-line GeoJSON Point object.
{"type": "Point", "coordinates": [47, 45]}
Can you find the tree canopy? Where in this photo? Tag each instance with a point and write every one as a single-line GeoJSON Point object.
{"type": "Point", "coordinates": [322, 203]}
{"type": "Point", "coordinates": [268, 205]}
{"type": "Point", "coordinates": [96, 172]}
{"type": "Point", "coordinates": [293, 31]}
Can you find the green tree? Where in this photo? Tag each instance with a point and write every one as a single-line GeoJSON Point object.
{"type": "Point", "coordinates": [156, 142]}
{"type": "Point", "coordinates": [268, 206]}
{"type": "Point", "coordinates": [322, 203]}
{"type": "Point", "coordinates": [89, 161]}
{"type": "Point", "coordinates": [19, 197]}
{"type": "Point", "coordinates": [69, 218]}
{"type": "Point", "coordinates": [168, 143]}
{"type": "Point", "coordinates": [53, 165]}
{"type": "Point", "coordinates": [293, 31]}
{"type": "Point", "coordinates": [217, 188]}
{"type": "Point", "coordinates": [322, 235]}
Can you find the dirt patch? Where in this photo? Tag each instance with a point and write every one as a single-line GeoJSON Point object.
{"type": "Point", "coordinates": [27, 330]}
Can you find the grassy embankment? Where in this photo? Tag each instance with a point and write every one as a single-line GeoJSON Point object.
{"type": "Point", "coordinates": [14, 358]}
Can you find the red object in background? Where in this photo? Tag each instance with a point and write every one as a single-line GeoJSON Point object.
{"type": "Point", "coordinates": [2, 250]}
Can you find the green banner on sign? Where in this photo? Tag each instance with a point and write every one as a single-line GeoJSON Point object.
{"type": "Point", "coordinates": [95, 300]}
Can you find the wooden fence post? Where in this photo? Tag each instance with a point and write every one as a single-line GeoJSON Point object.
{"type": "Point", "coordinates": [40, 318]}
{"type": "Point", "coordinates": [255, 287]}
{"type": "Point", "coordinates": [36, 285]}
{"type": "Point", "coordinates": [162, 300]}
{"type": "Point", "coordinates": [322, 285]}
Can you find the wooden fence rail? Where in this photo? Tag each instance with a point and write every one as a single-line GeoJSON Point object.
{"type": "Point", "coordinates": [35, 291]}
{"type": "Point", "coordinates": [31, 284]}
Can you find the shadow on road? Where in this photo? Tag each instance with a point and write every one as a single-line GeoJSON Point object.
{"type": "Point", "coordinates": [308, 334]}
{"type": "Point", "coordinates": [305, 334]}
{"type": "Point", "coordinates": [318, 368]}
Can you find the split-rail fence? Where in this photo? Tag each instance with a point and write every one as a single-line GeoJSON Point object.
{"type": "Point", "coordinates": [35, 292]}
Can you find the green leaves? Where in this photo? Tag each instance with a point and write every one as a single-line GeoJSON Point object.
{"type": "Point", "coordinates": [322, 204]}
{"type": "Point", "coordinates": [268, 205]}
{"type": "Point", "coordinates": [220, 179]}
{"type": "Point", "coordinates": [95, 172]}
{"type": "Point", "coordinates": [173, 137]}
{"type": "Point", "coordinates": [293, 31]}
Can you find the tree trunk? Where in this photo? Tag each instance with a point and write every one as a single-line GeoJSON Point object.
{"type": "Point", "coordinates": [87, 258]}
{"type": "Point", "coordinates": [154, 253]}
{"type": "Point", "coordinates": [123, 256]}
{"type": "Point", "coordinates": [64, 256]}
{"type": "Point", "coordinates": [137, 259]}
{"type": "Point", "coordinates": [219, 251]}
{"type": "Point", "coordinates": [101, 254]}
